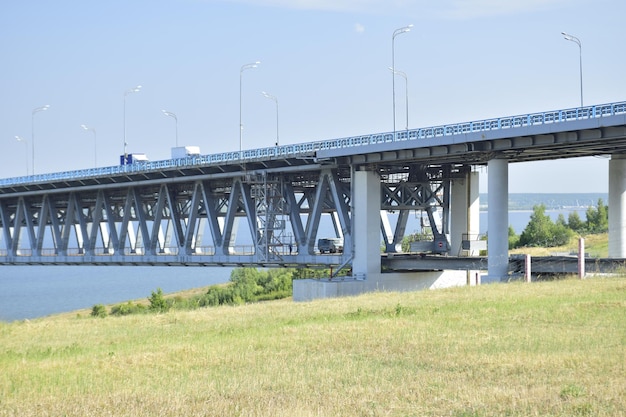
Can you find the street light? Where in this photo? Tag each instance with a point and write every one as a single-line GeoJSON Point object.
{"type": "Point", "coordinates": [396, 32]}
{"type": "Point", "coordinates": [580, 55]}
{"type": "Point", "coordinates": [32, 130]}
{"type": "Point", "coordinates": [19, 139]}
{"type": "Point", "coordinates": [271, 97]}
{"type": "Point", "coordinates": [95, 149]}
{"type": "Point", "coordinates": [127, 92]}
{"type": "Point", "coordinates": [170, 114]}
{"type": "Point", "coordinates": [243, 68]}
{"type": "Point", "coordinates": [406, 92]}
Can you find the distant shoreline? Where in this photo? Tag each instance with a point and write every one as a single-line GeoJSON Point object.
{"type": "Point", "coordinates": [552, 201]}
{"type": "Point", "coordinates": [531, 209]}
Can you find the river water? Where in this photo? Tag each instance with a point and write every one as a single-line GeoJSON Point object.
{"type": "Point", "coordinates": [35, 291]}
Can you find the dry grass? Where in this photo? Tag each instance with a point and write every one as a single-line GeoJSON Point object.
{"type": "Point", "coordinates": [541, 349]}
{"type": "Point", "coordinates": [595, 245]}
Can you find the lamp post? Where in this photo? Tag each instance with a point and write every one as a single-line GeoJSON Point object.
{"type": "Point", "coordinates": [20, 139]}
{"type": "Point", "coordinates": [95, 148]}
{"type": "Point", "coordinates": [172, 115]}
{"type": "Point", "coordinates": [406, 93]}
{"type": "Point", "coordinates": [396, 32]}
{"type": "Point", "coordinates": [127, 92]}
{"type": "Point", "coordinates": [271, 97]}
{"type": "Point", "coordinates": [580, 59]}
{"type": "Point", "coordinates": [32, 130]}
{"type": "Point", "coordinates": [243, 68]}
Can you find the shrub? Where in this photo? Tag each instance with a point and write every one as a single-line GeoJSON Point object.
{"type": "Point", "coordinates": [98, 310]}
{"type": "Point", "coordinates": [158, 302]}
{"type": "Point", "coordinates": [127, 308]}
{"type": "Point", "coordinates": [218, 295]}
{"type": "Point", "coordinates": [513, 238]}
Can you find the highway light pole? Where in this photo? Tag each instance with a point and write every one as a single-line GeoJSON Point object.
{"type": "Point", "coordinates": [580, 60]}
{"type": "Point", "coordinates": [20, 139]}
{"type": "Point", "coordinates": [243, 68]}
{"type": "Point", "coordinates": [32, 130]}
{"type": "Point", "coordinates": [127, 92]}
{"type": "Point", "coordinates": [95, 146]}
{"type": "Point", "coordinates": [396, 32]}
{"type": "Point", "coordinates": [406, 93]}
{"type": "Point", "coordinates": [271, 97]}
{"type": "Point", "coordinates": [172, 115]}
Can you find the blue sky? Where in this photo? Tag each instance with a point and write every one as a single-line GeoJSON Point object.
{"type": "Point", "coordinates": [326, 62]}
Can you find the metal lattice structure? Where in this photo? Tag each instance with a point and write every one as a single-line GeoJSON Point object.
{"type": "Point", "coordinates": [195, 220]}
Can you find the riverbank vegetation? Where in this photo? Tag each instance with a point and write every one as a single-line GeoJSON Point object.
{"type": "Point", "coordinates": [542, 349]}
{"type": "Point", "coordinates": [246, 285]}
{"type": "Point", "coordinates": [541, 231]}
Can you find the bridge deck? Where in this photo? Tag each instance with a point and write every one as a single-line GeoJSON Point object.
{"type": "Point", "coordinates": [584, 131]}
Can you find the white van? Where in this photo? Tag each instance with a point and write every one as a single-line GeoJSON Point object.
{"type": "Point", "coordinates": [330, 245]}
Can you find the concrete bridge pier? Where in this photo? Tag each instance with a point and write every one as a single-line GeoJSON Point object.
{"type": "Point", "coordinates": [366, 223]}
{"type": "Point", "coordinates": [498, 221]}
{"type": "Point", "coordinates": [617, 206]}
{"type": "Point", "coordinates": [464, 211]}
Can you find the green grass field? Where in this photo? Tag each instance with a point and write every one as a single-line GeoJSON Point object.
{"type": "Point", "coordinates": [542, 349]}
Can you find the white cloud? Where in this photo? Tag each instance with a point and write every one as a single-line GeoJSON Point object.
{"type": "Point", "coordinates": [448, 9]}
{"type": "Point", "coordinates": [469, 9]}
{"type": "Point", "coordinates": [359, 28]}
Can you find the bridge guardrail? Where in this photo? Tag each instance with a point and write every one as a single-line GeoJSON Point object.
{"type": "Point", "coordinates": [302, 149]}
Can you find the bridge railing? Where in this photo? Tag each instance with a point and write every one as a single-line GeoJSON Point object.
{"type": "Point", "coordinates": [309, 148]}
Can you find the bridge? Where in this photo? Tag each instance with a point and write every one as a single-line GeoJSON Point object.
{"type": "Point", "coordinates": [195, 210]}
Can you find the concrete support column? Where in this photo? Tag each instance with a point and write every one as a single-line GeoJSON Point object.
{"type": "Point", "coordinates": [464, 210]}
{"type": "Point", "coordinates": [366, 224]}
{"type": "Point", "coordinates": [617, 206]}
{"type": "Point", "coordinates": [498, 220]}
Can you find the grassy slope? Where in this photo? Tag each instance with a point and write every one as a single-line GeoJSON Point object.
{"type": "Point", "coordinates": [545, 349]}
{"type": "Point", "coordinates": [596, 246]}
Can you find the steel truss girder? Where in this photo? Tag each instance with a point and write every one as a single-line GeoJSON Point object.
{"type": "Point", "coordinates": [411, 195]}
{"type": "Point", "coordinates": [197, 220]}
{"type": "Point", "coordinates": [406, 196]}
{"type": "Point", "coordinates": [137, 224]}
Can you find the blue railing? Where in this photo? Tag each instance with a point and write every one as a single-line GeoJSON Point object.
{"type": "Point", "coordinates": [309, 148]}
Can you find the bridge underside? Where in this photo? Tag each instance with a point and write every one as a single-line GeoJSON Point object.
{"type": "Point", "coordinates": [258, 218]}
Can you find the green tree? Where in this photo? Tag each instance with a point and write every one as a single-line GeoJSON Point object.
{"type": "Point", "coordinates": [158, 302]}
{"type": "Point", "coordinates": [575, 223]}
{"type": "Point", "coordinates": [561, 234]}
{"type": "Point", "coordinates": [513, 238]}
{"type": "Point", "coordinates": [245, 284]}
{"type": "Point", "coordinates": [276, 280]}
{"type": "Point", "coordinates": [598, 218]}
{"type": "Point", "coordinates": [542, 231]}
{"type": "Point", "coordinates": [537, 231]}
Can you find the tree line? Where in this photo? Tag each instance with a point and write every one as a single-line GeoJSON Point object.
{"type": "Point", "coordinates": [541, 231]}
